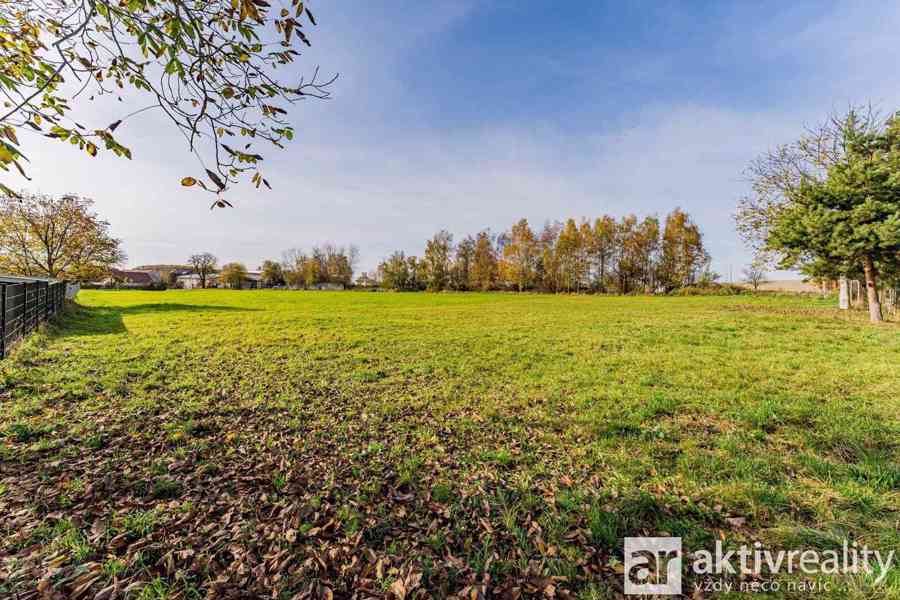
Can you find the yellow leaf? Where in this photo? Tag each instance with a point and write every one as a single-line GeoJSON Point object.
{"type": "Point", "coordinates": [188, 181]}
{"type": "Point", "coordinates": [91, 149]}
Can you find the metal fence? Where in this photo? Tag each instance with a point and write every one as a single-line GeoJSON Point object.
{"type": "Point", "coordinates": [25, 303]}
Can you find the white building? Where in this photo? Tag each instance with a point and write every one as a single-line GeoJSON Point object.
{"type": "Point", "coordinates": [192, 281]}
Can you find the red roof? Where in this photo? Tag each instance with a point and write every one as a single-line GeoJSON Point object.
{"type": "Point", "coordinates": [141, 277]}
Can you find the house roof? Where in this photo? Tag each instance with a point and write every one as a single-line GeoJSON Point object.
{"type": "Point", "coordinates": [132, 276]}
{"type": "Point", "coordinates": [162, 267]}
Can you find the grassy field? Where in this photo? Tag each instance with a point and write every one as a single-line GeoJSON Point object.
{"type": "Point", "coordinates": [188, 444]}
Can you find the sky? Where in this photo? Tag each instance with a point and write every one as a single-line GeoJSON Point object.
{"type": "Point", "coordinates": [468, 115]}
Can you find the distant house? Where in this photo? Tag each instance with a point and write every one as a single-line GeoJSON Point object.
{"type": "Point", "coordinates": [192, 281]}
{"type": "Point", "coordinates": [167, 273]}
{"type": "Point", "coordinates": [132, 279]}
{"type": "Point", "coordinates": [251, 281]}
{"type": "Point", "coordinates": [364, 281]}
{"type": "Point", "coordinates": [187, 282]}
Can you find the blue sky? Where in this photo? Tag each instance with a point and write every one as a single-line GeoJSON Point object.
{"type": "Point", "coordinates": [465, 115]}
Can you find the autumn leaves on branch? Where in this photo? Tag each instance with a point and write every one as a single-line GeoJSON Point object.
{"type": "Point", "coordinates": [211, 67]}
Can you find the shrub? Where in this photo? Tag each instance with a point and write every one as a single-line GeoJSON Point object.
{"type": "Point", "coordinates": [715, 289]}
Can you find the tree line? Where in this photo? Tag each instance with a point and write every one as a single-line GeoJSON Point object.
{"type": "Point", "coordinates": [607, 255]}
{"type": "Point", "coordinates": [323, 264]}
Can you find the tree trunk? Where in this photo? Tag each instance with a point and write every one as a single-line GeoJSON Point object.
{"type": "Point", "coordinates": [872, 290]}
{"type": "Point", "coordinates": [602, 274]}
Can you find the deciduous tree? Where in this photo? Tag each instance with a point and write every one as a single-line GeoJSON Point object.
{"type": "Point", "coordinates": [233, 275]}
{"type": "Point", "coordinates": [272, 273]}
{"type": "Point", "coordinates": [462, 263]}
{"type": "Point", "coordinates": [568, 252]}
{"type": "Point", "coordinates": [602, 247]}
{"type": "Point", "coordinates": [437, 260]}
{"type": "Point", "coordinates": [520, 256]}
{"type": "Point", "coordinates": [755, 274]}
{"type": "Point", "coordinates": [483, 271]}
{"type": "Point", "coordinates": [394, 272]}
{"type": "Point", "coordinates": [326, 263]}
{"type": "Point", "coordinates": [548, 271]}
{"type": "Point", "coordinates": [292, 261]}
{"type": "Point", "coordinates": [203, 264]}
{"type": "Point", "coordinates": [55, 237]}
{"type": "Point", "coordinates": [628, 264]}
{"type": "Point", "coordinates": [683, 256]}
{"type": "Point", "coordinates": [337, 263]}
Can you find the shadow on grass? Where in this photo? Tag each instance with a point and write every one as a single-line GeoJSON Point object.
{"type": "Point", "coordinates": [103, 320]}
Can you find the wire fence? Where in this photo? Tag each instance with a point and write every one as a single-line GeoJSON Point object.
{"type": "Point", "coordinates": [25, 303]}
{"type": "Point", "coordinates": [888, 296]}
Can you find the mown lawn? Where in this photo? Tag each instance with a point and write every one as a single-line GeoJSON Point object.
{"type": "Point", "coordinates": [189, 444]}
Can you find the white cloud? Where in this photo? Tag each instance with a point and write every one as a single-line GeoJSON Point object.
{"type": "Point", "coordinates": [355, 175]}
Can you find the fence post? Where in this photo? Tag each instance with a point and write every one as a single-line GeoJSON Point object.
{"type": "Point", "coordinates": [2, 321]}
{"type": "Point", "coordinates": [26, 322]}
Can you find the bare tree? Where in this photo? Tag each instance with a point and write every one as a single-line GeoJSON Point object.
{"type": "Point", "coordinates": [755, 275]}
{"type": "Point", "coordinates": [204, 264]}
{"type": "Point", "coordinates": [776, 176]}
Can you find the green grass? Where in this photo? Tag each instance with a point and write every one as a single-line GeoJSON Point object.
{"type": "Point", "coordinates": [451, 435]}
